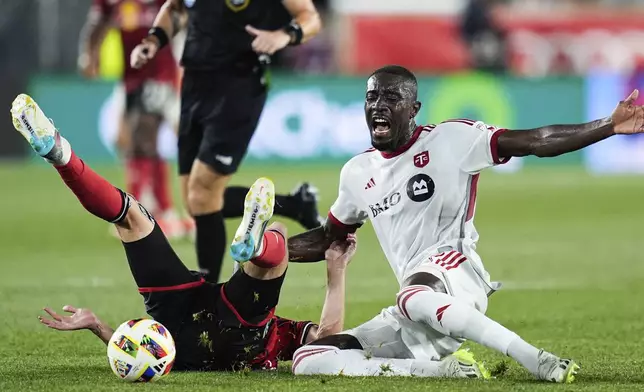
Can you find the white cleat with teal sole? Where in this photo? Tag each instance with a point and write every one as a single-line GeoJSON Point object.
{"type": "Point", "coordinates": [258, 210]}
{"type": "Point", "coordinates": [38, 129]}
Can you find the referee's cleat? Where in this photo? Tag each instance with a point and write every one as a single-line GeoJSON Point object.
{"type": "Point", "coordinates": [554, 369]}
{"type": "Point", "coordinates": [306, 196]}
{"type": "Point", "coordinates": [40, 132]}
{"type": "Point", "coordinates": [258, 210]}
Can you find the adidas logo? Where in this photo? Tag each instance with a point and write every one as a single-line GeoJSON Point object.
{"type": "Point", "coordinates": [370, 184]}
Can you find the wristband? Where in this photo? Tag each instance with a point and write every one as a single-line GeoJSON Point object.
{"type": "Point", "coordinates": [294, 30]}
{"type": "Point", "coordinates": [160, 34]}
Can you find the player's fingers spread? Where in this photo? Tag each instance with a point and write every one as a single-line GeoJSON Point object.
{"type": "Point", "coordinates": [53, 314]}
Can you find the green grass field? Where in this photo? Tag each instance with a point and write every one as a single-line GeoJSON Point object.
{"type": "Point", "coordinates": [567, 246]}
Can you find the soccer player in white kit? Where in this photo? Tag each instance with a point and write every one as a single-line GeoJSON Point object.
{"type": "Point", "coordinates": [418, 187]}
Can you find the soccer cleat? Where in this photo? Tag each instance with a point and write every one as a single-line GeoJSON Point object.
{"type": "Point", "coordinates": [306, 196]}
{"type": "Point", "coordinates": [40, 132]}
{"type": "Point", "coordinates": [554, 369]}
{"type": "Point", "coordinates": [258, 210]}
{"type": "Point", "coordinates": [462, 364]}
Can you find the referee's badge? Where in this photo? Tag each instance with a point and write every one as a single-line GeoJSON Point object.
{"type": "Point", "coordinates": [189, 3]}
{"type": "Point", "coordinates": [237, 5]}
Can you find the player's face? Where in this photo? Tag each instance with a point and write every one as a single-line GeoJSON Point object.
{"type": "Point", "coordinates": [390, 107]}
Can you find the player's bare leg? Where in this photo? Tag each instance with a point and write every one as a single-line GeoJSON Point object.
{"type": "Point", "coordinates": [205, 199]}
{"type": "Point", "coordinates": [342, 354]}
{"type": "Point", "coordinates": [95, 193]}
{"type": "Point", "coordinates": [425, 300]}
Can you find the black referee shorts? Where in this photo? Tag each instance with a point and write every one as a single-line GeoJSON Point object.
{"type": "Point", "coordinates": [219, 115]}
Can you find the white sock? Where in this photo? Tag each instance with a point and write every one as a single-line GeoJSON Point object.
{"type": "Point", "coordinates": [455, 318]}
{"type": "Point", "coordinates": [331, 361]}
{"type": "Point", "coordinates": [524, 353]}
{"type": "Point", "coordinates": [62, 158]}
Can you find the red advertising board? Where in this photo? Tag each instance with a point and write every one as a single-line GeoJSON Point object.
{"type": "Point", "coordinates": [539, 43]}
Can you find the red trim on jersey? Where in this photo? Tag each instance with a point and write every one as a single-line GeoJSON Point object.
{"type": "Point", "coordinates": [471, 204]}
{"type": "Point", "coordinates": [406, 146]}
{"type": "Point", "coordinates": [368, 150]}
{"type": "Point", "coordinates": [183, 286]}
{"type": "Point", "coordinates": [494, 147]}
{"type": "Point", "coordinates": [460, 120]}
{"type": "Point", "coordinates": [243, 322]}
{"type": "Point", "coordinates": [337, 222]}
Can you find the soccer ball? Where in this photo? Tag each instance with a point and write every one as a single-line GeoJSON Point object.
{"type": "Point", "coordinates": [141, 350]}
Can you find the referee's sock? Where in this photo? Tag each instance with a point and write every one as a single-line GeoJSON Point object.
{"type": "Point", "coordinates": [211, 244]}
{"type": "Point", "coordinates": [285, 205]}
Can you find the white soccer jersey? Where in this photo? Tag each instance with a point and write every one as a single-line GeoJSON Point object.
{"type": "Point", "coordinates": [421, 197]}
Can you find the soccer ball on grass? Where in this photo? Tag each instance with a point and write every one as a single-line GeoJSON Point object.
{"type": "Point", "coordinates": [141, 350]}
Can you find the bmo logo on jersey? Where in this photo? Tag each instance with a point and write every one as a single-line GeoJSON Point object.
{"type": "Point", "coordinates": [420, 187]}
{"type": "Point", "coordinates": [385, 204]}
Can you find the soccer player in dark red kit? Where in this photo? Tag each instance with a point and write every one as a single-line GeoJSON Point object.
{"type": "Point", "coordinates": [226, 326]}
{"type": "Point", "coordinates": [151, 96]}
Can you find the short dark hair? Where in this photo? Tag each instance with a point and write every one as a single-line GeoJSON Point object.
{"type": "Point", "coordinates": [407, 76]}
{"type": "Point", "coordinates": [397, 70]}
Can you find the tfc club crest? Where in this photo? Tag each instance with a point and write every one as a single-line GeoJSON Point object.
{"type": "Point", "coordinates": [421, 159]}
{"type": "Point", "coordinates": [237, 5]}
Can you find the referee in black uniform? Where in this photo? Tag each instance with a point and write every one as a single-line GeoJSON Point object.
{"type": "Point", "coordinates": [228, 44]}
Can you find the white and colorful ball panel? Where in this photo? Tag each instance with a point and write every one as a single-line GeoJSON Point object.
{"type": "Point", "coordinates": [141, 350]}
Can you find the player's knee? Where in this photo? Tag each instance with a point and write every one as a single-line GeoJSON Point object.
{"type": "Point", "coordinates": [426, 279]}
{"type": "Point", "coordinates": [137, 222]}
{"type": "Point", "coordinates": [204, 195]}
{"type": "Point", "coordinates": [310, 360]}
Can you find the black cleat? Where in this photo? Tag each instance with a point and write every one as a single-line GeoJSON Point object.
{"type": "Point", "coordinates": [306, 196]}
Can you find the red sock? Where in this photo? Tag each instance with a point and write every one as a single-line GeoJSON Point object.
{"type": "Point", "coordinates": [95, 193]}
{"type": "Point", "coordinates": [138, 172]}
{"type": "Point", "coordinates": [274, 250]}
{"type": "Point", "coordinates": [161, 185]}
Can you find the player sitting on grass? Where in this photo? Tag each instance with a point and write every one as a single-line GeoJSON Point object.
{"type": "Point", "coordinates": [418, 187]}
{"type": "Point", "coordinates": [223, 326]}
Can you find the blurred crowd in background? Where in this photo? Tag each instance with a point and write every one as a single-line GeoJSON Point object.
{"type": "Point", "coordinates": [527, 39]}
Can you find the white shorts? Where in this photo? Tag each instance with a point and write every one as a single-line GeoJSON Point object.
{"type": "Point", "coordinates": [391, 335]}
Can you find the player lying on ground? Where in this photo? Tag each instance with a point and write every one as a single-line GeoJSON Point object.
{"type": "Point", "coordinates": [418, 187]}
{"type": "Point", "coordinates": [215, 326]}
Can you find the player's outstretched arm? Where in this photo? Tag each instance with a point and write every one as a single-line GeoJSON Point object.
{"type": "Point", "coordinates": [78, 320]}
{"type": "Point", "coordinates": [311, 246]}
{"type": "Point", "coordinates": [553, 140]}
{"type": "Point", "coordinates": [338, 257]}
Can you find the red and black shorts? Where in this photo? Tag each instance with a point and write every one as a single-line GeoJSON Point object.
{"type": "Point", "coordinates": [174, 295]}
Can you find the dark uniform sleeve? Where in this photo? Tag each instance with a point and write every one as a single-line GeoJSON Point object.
{"type": "Point", "coordinates": [291, 335]}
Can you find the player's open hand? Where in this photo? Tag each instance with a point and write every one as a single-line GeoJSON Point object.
{"type": "Point", "coordinates": [79, 319]}
{"type": "Point", "coordinates": [340, 253]}
{"type": "Point", "coordinates": [143, 53]}
{"type": "Point", "coordinates": [627, 117]}
{"type": "Point", "coordinates": [268, 42]}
